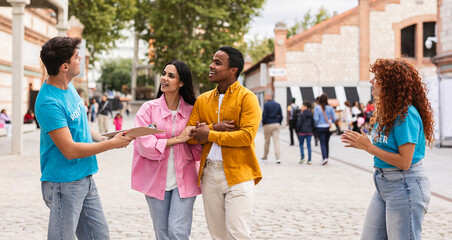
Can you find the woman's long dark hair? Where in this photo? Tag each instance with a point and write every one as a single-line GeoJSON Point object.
{"type": "Point", "coordinates": [186, 91]}
{"type": "Point", "coordinates": [323, 101]}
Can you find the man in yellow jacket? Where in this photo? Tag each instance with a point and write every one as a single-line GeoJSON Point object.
{"type": "Point", "coordinates": [227, 119]}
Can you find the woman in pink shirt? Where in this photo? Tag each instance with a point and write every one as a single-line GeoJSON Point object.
{"type": "Point", "coordinates": [165, 167]}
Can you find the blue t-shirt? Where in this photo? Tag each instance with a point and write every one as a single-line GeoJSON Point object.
{"type": "Point", "coordinates": [411, 130]}
{"type": "Point", "coordinates": [55, 109]}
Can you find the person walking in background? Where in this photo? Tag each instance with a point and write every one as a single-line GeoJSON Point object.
{"type": "Point", "coordinates": [357, 112]}
{"type": "Point", "coordinates": [118, 122]}
{"type": "Point", "coordinates": [403, 124]}
{"type": "Point", "coordinates": [347, 115]}
{"type": "Point", "coordinates": [370, 108]}
{"type": "Point", "coordinates": [227, 119]}
{"type": "Point", "coordinates": [6, 122]}
{"type": "Point", "coordinates": [324, 116]}
{"type": "Point", "coordinates": [314, 133]}
{"type": "Point", "coordinates": [165, 167]}
{"type": "Point", "coordinates": [104, 112]}
{"type": "Point", "coordinates": [305, 128]}
{"type": "Point", "coordinates": [271, 119]}
{"type": "Point", "coordinates": [292, 114]}
{"type": "Point", "coordinates": [67, 151]}
{"type": "Point", "coordinates": [94, 109]}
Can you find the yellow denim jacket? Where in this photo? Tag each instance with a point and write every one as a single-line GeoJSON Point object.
{"type": "Point", "coordinates": [238, 149]}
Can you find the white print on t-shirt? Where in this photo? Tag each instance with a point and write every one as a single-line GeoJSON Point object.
{"type": "Point", "coordinates": [381, 139]}
{"type": "Point", "coordinates": [77, 111]}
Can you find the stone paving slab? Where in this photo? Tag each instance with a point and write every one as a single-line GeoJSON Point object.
{"type": "Point", "coordinates": [292, 201]}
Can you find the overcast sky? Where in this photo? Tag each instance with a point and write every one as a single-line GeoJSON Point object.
{"type": "Point", "coordinates": [287, 11]}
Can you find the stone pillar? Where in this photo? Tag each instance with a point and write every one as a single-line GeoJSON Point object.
{"type": "Point", "coordinates": [62, 24]}
{"type": "Point", "coordinates": [364, 44]}
{"type": "Point", "coordinates": [280, 93]}
{"type": "Point", "coordinates": [280, 47]}
{"type": "Point", "coordinates": [18, 73]}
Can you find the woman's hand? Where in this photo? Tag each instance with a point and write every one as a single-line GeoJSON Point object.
{"type": "Point", "coordinates": [185, 134]}
{"type": "Point", "coordinates": [356, 140]}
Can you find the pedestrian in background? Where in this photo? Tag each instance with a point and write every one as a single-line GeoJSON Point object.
{"type": "Point", "coordinates": [271, 119]}
{"type": "Point", "coordinates": [105, 111]}
{"type": "Point", "coordinates": [165, 167]}
{"type": "Point", "coordinates": [357, 112]}
{"type": "Point", "coordinates": [118, 122]}
{"type": "Point", "coordinates": [324, 116]}
{"type": "Point", "coordinates": [29, 117]}
{"type": "Point", "coordinates": [370, 108]}
{"type": "Point", "coordinates": [347, 115]}
{"type": "Point", "coordinates": [292, 114]}
{"type": "Point", "coordinates": [305, 128]}
{"type": "Point", "coordinates": [403, 124]}
{"type": "Point", "coordinates": [314, 133]}
{"type": "Point", "coordinates": [6, 122]}
{"type": "Point", "coordinates": [94, 109]}
{"type": "Point", "coordinates": [227, 120]}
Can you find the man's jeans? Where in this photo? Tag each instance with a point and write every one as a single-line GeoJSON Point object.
{"type": "Point", "coordinates": [75, 209]}
{"type": "Point", "coordinates": [301, 139]}
{"type": "Point", "coordinates": [172, 216]}
{"type": "Point", "coordinates": [399, 204]}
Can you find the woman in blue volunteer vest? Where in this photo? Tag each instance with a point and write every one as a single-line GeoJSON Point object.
{"type": "Point", "coordinates": [403, 124]}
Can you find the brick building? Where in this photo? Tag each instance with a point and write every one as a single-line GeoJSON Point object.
{"type": "Point", "coordinates": [334, 56]}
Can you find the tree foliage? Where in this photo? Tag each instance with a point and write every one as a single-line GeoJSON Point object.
{"type": "Point", "coordinates": [116, 74]}
{"type": "Point", "coordinates": [259, 48]}
{"type": "Point", "coordinates": [103, 21]}
{"type": "Point", "coordinates": [192, 31]}
{"type": "Point", "coordinates": [309, 21]}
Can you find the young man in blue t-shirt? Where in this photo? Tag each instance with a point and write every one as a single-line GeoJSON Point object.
{"type": "Point", "coordinates": [67, 150]}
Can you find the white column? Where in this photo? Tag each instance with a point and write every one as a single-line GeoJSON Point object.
{"type": "Point", "coordinates": [18, 72]}
{"type": "Point", "coordinates": [62, 25]}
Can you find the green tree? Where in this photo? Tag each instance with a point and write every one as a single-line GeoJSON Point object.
{"type": "Point", "coordinates": [309, 21]}
{"type": "Point", "coordinates": [259, 48]}
{"type": "Point", "coordinates": [103, 21]}
{"type": "Point", "coordinates": [116, 74]}
{"type": "Point", "coordinates": [192, 31]}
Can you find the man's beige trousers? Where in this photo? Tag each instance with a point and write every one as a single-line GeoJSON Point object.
{"type": "Point", "coordinates": [228, 209]}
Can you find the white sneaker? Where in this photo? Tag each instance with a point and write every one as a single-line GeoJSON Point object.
{"type": "Point", "coordinates": [278, 161]}
{"type": "Point", "coordinates": [325, 161]}
{"type": "Point", "coordinates": [263, 160]}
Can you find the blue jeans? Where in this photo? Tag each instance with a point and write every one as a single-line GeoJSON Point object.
{"type": "Point", "coordinates": [171, 216]}
{"type": "Point", "coordinates": [75, 209]}
{"type": "Point", "coordinates": [398, 205]}
{"type": "Point", "coordinates": [301, 139]}
{"type": "Point", "coordinates": [324, 137]}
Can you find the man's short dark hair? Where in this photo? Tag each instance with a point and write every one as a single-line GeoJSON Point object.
{"type": "Point", "coordinates": [57, 51]}
{"type": "Point", "coordinates": [235, 58]}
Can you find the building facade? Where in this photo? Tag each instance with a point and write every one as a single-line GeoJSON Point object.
{"type": "Point", "coordinates": [334, 56]}
{"type": "Point", "coordinates": [40, 26]}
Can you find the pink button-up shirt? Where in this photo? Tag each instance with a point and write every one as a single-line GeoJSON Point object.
{"type": "Point", "coordinates": [150, 156]}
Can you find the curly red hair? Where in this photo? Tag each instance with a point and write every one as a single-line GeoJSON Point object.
{"type": "Point", "coordinates": [401, 87]}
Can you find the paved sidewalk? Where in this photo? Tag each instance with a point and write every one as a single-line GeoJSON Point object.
{"type": "Point", "coordinates": [293, 201]}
